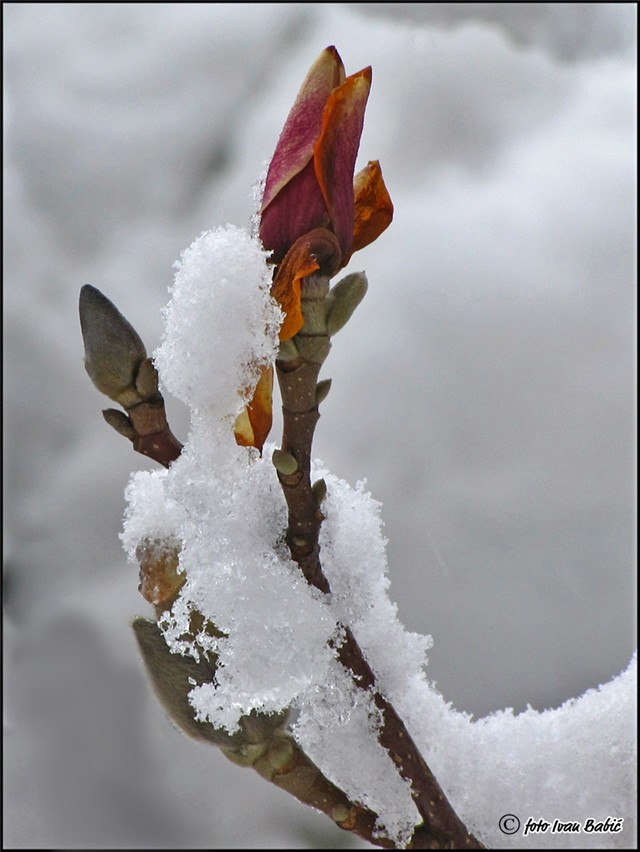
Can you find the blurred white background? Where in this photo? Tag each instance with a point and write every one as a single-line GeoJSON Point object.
{"type": "Point", "coordinates": [485, 388]}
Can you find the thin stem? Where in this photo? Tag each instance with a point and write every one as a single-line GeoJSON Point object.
{"type": "Point", "coordinates": [153, 437]}
{"type": "Point", "coordinates": [298, 381]}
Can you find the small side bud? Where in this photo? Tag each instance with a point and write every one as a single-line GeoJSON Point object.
{"type": "Point", "coordinates": [288, 350]}
{"type": "Point", "coordinates": [160, 580]}
{"type": "Point", "coordinates": [245, 754]}
{"type": "Point", "coordinates": [339, 813]}
{"type": "Point", "coordinates": [119, 421]}
{"type": "Point", "coordinates": [322, 390]}
{"type": "Point", "coordinates": [281, 755]}
{"type": "Point", "coordinates": [284, 462]}
{"type": "Point", "coordinates": [112, 348]}
{"type": "Point", "coordinates": [147, 380]}
{"type": "Point", "coordinates": [343, 299]}
{"type": "Point", "coordinates": [344, 817]}
{"type": "Point", "coordinates": [319, 490]}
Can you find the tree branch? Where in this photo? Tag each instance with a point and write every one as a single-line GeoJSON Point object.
{"type": "Point", "coordinates": [117, 364]}
{"type": "Point", "coordinates": [262, 743]}
{"type": "Point", "coordinates": [297, 377]}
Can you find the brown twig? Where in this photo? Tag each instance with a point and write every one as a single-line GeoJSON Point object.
{"type": "Point", "coordinates": [262, 743]}
{"type": "Point", "coordinates": [151, 434]}
{"type": "Point", "coordinates": [297, 377]}
{"type": "Point", "coordinates": [117, 364]}
{"type": "Point", "coordinates": [116, 361]}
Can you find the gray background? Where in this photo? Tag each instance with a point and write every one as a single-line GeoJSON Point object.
{"type": "Point", "coordinates": [485, 388]}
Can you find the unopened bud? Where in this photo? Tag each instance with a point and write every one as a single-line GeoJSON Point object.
{"type": "Point", "coordinates": [284, 462]}
{"type": "Point", "coordinates": [288, 351]}
{"type": "Point", "coordinates": [339, 813]}
{"type": "Point", "coordinates": [261, 727]}
{"type": "Point", "coordinates": [343, 299]}
{"type": "Point", "coordinates": [245, 754]}
{"type": "Point", "coordinates": [173, 677]}
{"type": "Point", "coordinates": [322, 389]}
{"type": "Point", "coordinates": [319, 490]}
{"type": "Point", "coordinates": [119, 421]}
{"type": "Point", "coordinates": [281, 755]}
{"type": "Point", "coordinates": [147, 380]}
{"type": "Point", "coordinates": [112, 348]}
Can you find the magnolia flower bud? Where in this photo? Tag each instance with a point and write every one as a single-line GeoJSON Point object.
{"type": "Point", "coordinates": [343, 299]}
{"type": "Point", "coordinates": [173, 677]}
{"type": "Point", "coordinates": [113, 350]}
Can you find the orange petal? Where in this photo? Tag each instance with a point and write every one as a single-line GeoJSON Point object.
{"type": "Point", "coordinates": [253, 424]}
{"type": "Point", "coordinates": [159, 577]}
{"type": "Point", "coordinates": [373, 206]}
{"type": "Point", "coordinates": [317, 250]}
{"type": "Point", "coordinates": [336, 151]}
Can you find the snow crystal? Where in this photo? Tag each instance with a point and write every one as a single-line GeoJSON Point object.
{"type": "Point", "coordinates": [534, 764]}
{"type": "Point", "coordinates": [221, 323]}
{"type": "Point", "coordinates": [152, 513]}
{"type": "Point", "coordinates": [337, 728]}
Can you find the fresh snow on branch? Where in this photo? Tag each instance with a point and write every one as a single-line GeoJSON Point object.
{"type": "Point", "coordinates": [224, 506]}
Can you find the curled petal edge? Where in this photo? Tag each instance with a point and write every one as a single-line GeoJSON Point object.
{"type": "Point", "coordinates": [316, 251]}
{"type": "Point", "coordinates": [373, 208]}
{"type": "Point", "coordinates": [253, 424]}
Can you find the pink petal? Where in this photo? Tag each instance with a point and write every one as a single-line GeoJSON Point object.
{"type": "Point", "coordinates": [298, 209]}
{"type": "Point", "coordinates": [303, 125]}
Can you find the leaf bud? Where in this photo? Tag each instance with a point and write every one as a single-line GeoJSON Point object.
{"type": "Point", "coordinates": [160, 579]}
{"type": "Point", "coordinates": [147, 380]}
{"type": "Point", "coordinates": [119, 421]}
{"type": "Point", "coordinates": [319, 490]}
{"type": "Point", "coordinates": [322, 389]}
{"type": "Point", "coordinates": [284, 462]}
{"type": "Point", "coordinates": [343, 299]}
{"type": "Point", "coordinates": [173, 677]}
{"type": "Point", "coordinates": [281, 755]}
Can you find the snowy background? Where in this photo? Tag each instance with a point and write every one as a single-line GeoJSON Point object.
{"type": "Point", "coordinates": [485, 387]}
